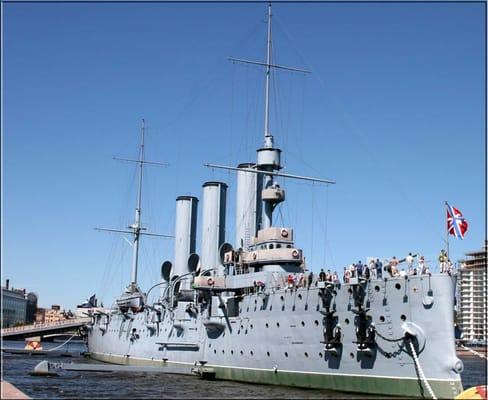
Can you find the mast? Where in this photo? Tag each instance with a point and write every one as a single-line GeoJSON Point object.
{"type": "Point", "coordinates": [136, 229]}
{"type": "Point", "coordinates": [268, 139]}
{"type": "Point", "coordinates": [137, 224]}
{"type": "Point", "coordinates": [269, 157]}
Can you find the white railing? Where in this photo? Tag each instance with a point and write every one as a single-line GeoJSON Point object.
{"type": "Point", "coordinates": [42, 325]}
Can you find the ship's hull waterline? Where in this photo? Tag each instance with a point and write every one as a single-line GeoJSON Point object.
{"type": "Point", "coordinates": [276, 339]}
{"type": "Point", "coordinates": [395, 386]}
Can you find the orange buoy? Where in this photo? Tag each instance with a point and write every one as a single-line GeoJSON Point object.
{"type": "Point", "coordinates": [477, 392]}
{"type": "Point", "coordinates": [33, 345]}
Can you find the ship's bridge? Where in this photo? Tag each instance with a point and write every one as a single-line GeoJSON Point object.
{"type": "Point", "coordinates": [273, 246]}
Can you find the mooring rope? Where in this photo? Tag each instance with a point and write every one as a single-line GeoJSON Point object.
{"type": "Point", "coordinates": [472, 351]}
{"type": "Point", "coordinates": [62, 344]}
{"type": "Point", "coordinates": [420, 370]}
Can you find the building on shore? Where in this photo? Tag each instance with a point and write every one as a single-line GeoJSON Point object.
{"type": "Point", "coordinates": [14, 306]}
{"type": "Point", "coordinates": [54, 314]}
{"type": "Point", "coordinates": [472, 292]}
{"type": "Point", "coordinates": [17, 306]}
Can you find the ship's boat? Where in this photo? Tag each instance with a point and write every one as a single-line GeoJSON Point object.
{"type": "Point", "coordinates": [251, 312]}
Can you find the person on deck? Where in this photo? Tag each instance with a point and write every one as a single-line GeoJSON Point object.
{"type": "Point", "coordinates": [409, 260]}
{"type": "Point", "coordinates": [393, 266]}
{"type": "Point", "coordinates": [310, 279]}
{"type": "Point", "coordinates": [322, 275]}
{"type": "Point", "coordinates": [359, 268]}
{"type": "Point", "coordinates": [379, 268]}
{"type": "Point", "coordinates": [443, 261]}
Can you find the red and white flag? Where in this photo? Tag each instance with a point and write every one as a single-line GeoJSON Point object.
{"type": "Point", "coordinates": [456, 223]}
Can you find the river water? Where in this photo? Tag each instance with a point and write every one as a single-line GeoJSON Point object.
{"type": "Point", "coordinates": [70, 384]}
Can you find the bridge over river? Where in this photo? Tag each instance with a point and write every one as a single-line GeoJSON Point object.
{"type": "Point", "coordinates": [43, 329]}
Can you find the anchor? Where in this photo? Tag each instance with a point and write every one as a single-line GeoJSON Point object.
{"type": "Point", "coordinates": [332, 329]}
{"type": "Point", "coordinates": [332, 332]}
{"type": "Point", "coordinates": [365, 331]}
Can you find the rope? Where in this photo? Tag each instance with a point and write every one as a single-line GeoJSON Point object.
{"type": "Point", "coordinates": [62, 344]}
{"type": "Point", "coordinates": [420, 370]}
{"type": "Point", "coordinates": [474, 352]}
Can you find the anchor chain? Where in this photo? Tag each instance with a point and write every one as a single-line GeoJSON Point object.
{"type": "Point", "coordinates": [420, 370]}
{"type": "Point", "coordinates": [388, 339]}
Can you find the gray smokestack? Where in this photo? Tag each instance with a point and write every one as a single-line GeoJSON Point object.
{"type": "Point", "coordinates": [185, 233]}
{"type": "Point", "coordinates": [213, 224]}
{"type": "Point", "coordinates": [247, 210]}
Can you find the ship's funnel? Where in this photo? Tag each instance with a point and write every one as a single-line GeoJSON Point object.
{"type": "Point", "coordinates": [247, 200]}
{"type": "Point", "coordinates": [213, 224]}
{"type": "Point", "coordinates": [185, 233]}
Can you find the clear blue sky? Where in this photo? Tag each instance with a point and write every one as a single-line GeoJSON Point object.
{"type": "Point", "coordinates": [394, 111]}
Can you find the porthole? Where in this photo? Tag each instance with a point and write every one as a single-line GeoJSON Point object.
{"type": "Point", "coordinates": [242, 352]}
{"type": "Point", "coordinates": [377, 288]}
{"type": "Point", "coordinates": [267, 325]}
{"type": "Point", "coordinates": [282, 298]}
{"type": "Point", "coordinates": [300, 296]}
{"type": "Point", "coordinates": [255, 301]}
{"type": "Point", "coordinates": [351, 355]}
{"type": "Point", "coordinates": [316, 323]}
{"type": "Point", "coordinates": [346, 321]}
{"type": "Point", "coordinates": [232, 352]}
{"type": "Point", "coordinates": [252, 326]}
{"type": "Point", "coordinates": [245, 331]}
{"type": "Point", "coordinates": [382, 319]}
{"type": "Point", "coordinates": [403, 317]}
{"type": "Point", "coordinates": [251, 352]}
{"type": "Point", "coordinates": [215, 351]}
{"type": "Point", "coordinates": [398, 286]}
{"type": "Point", "coordinates": [320, 355]}
{"type": "Point", "coordinates": [278, 324]}
{"type": "Point", "coordinates": [286, 354]}
{"type": "Point", "coordinates": [306, 354]}
{"type": "Point", "coordinates": [223, 351]}
{"type": "Point", "coordinates": [303, 323]}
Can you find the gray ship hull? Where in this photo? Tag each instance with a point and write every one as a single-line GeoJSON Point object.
{"type": "Point", "coordinates": [276, 337]}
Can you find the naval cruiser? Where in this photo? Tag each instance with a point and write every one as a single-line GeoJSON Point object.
{"type": "Point", "coordinates": [235, 309]}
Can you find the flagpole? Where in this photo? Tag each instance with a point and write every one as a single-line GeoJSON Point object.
{"type": "Point", "coordinates": [447, 236]}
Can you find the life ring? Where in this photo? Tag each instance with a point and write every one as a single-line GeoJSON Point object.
{"type": "Point", "coordinates": [284, 232]}
{"type": "Point", "coordinates": [254, 256]}
{"type": "Point", "coordinates": [210, 281]}
{"type": "Point", "coordinates": [294, 253]}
